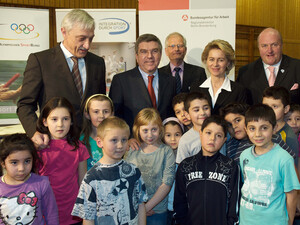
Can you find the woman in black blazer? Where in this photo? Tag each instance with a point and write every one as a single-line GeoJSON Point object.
{"type": "Point", "coordinates": [218, 56]}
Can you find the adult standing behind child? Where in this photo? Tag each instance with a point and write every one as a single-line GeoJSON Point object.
{"type": "Point", "coordinates": [64, 161]}
{"type": "Point", "coordinates": [97, 108]}
{"type": "Point", "coordinates": [156, 162]}
{"type": "Point", "coordinates": [66, 70]}
{"type": "Point", "coordinates": [218, 56]}
{"type": "Point", "coordinates": [25, 197]}
{"type": "Point", "coordinates": [269, 192]}
{"type": "Point", "coordinates": [113, 191]}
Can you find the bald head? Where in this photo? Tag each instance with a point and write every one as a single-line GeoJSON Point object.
{"type": "Point", "coordinates": [270, 46]}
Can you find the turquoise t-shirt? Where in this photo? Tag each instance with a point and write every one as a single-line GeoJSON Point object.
{"type": "Point", "coordinates": [96, 153]}
{"type": "Point", "coordinates": [266, 179]}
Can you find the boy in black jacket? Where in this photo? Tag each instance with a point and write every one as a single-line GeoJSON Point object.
{"type": "Point", "coordinates": [207, 184]}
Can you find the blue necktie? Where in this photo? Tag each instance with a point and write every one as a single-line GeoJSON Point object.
{"type": "Point", "coordinates": [178, 80]}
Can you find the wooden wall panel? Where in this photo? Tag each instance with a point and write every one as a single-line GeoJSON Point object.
{"type": "Point", "coordinates": [75, 3]}
{"type": "Point", "coordinates": [283, 15]}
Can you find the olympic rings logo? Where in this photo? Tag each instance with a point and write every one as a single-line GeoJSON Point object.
{"type": "Point", "coordinates": [22, 28]}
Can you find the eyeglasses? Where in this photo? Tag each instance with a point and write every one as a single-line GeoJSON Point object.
{"type": "Point", "coordinates": [174, 46]}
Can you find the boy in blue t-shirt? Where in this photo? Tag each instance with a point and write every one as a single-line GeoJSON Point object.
{"type": "Point", "coordinates": [278, 98]}
{"type": "Point", "coordinates": [269, 193]}
{"type": "Point", "coordinates": [234, 114]}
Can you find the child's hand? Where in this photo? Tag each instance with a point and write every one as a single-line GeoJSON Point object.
{"type": "Point", "coordinates": [133, 144]}
{"type": "Point", "coordinates": [150, 213]}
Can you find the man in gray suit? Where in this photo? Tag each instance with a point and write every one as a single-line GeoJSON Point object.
{"type": "Point", "coordinates": [285, 70]}
{"type": "Point", "coordinates": [50, 73]}
{"type": "Point", "coordinates": [175, 49]}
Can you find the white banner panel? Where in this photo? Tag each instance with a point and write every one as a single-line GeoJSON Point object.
{"type": "Point", "coordinates": [23, 31]}
{"type": "Point", "coordinates": [112, 25]}
{"type": "Point", "coordinates": [199, 21]}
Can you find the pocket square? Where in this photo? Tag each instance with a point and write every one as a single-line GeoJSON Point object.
{"type": "Point", "coordinates": [295, 86]}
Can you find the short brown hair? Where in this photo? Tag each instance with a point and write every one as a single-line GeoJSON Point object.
{"type": "Point", "coordinates": [144, 117]}
{"type": "Point", "coordinates": [111, 123]}
{"type": "Point", "coordinates": [225, 47]}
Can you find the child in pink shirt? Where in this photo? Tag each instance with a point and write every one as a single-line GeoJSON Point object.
{"type": "Point", "coordinates": [64, 160]}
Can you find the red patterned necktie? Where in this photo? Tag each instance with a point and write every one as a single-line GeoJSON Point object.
{"type": "Point", "coordinates": [151, 90]}
{"type": "Point", "coordinates": [76, 76]}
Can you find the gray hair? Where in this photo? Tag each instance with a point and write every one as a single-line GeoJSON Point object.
{"type": "Point", "coordinates": [80, 17]}
{"type": "Point", "coordinates": [175, 34]}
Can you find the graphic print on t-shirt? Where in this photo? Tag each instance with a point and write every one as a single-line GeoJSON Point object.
{"type": "Point", "coordinates": [20, 209]}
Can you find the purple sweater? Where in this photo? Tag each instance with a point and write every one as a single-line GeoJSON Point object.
{"type": "Point", "coordinates": [32, 202]}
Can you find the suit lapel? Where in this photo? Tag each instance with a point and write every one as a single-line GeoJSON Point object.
{"type": "Point", "coordinates": [143, 90]}
{"type": "Point", "coordinates": [260, 76]}
{"type": "Point", "coordinates": [162, 85]}
{"type": "Point", "coordinates": [63, 69]}
{"type": "Point", "coordinates": [186, 71]}
{"type": "Point", "coordinates": [283, 71]}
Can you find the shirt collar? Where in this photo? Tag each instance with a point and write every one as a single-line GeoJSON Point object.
{"type": "Point", "coordinates": [145, 75]}
{"type": "Point", "coordinates": [226, 84]}
{"type": "Point", "coordinates": [65, 51]}
{"type": "Point", "coordinates": [275, 65]}
{"type": "Point", "coordinates": [173, 67]}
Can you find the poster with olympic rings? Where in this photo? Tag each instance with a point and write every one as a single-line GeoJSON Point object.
{"type": "Point", "coordinates": [22, 31]}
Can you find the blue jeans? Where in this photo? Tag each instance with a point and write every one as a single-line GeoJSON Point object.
{"type": "Point", "coordinates": [157, 219]}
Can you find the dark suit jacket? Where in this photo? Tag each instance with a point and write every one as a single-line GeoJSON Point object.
{"type": "Point", "coordinates": [253, 77]}
{"type": "Point", "coordinates": [238, 94]}
{"type": "Point", "coordinates": [47, 75]}
{"type": "Point", "coordinates": [130, 95]}
{"type": "Point", "coordinates": [191, 74]}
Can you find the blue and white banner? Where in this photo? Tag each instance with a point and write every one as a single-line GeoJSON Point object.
{"type": "Point", "coordinates": [112, 25]}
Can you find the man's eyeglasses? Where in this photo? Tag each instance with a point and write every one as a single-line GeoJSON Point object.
{"type": "Point", "coordinates": [174, 46]}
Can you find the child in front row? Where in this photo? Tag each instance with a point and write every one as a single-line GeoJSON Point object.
{"type": "Point", "coordinates": [156, 162]}
{"type": "Point", "coordinates": [270, 182]}
{"type": "Point", "coordinates": [234, 114]}
{"type": "Point", "coordinates": [113, 191]}
{"type": "Point", "coordinates": [278, 98]}
{"type": "Point", "coordinates": [198, 108]}
{"type": "Point", "coordinates": [64, 161]}
{"type": "Point", "coordinates": [207, 184]}
{"type": "Point", "coordinates": [97, 108]}
{"type": "Point", "coordinates": [25, 197]}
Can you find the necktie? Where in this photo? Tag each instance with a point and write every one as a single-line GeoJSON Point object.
{"type": "Point", "coordinates": [272, 77]}
{"type": "Point", "coordinates": [76, 76]}
{"type": "Point", "coordinates": [178, 80]}
{"type": "Point", "coordinates": [151, 90]}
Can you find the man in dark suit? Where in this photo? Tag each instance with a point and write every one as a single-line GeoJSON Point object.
{"type": "Point", "coordinates": [129, 91]}
{"type": "Point", "coordinates": [272, 63]}
{"type": "Point", "coordinates": [50, 73]}
{"type": "Point", "coordinates": [175, 49]}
